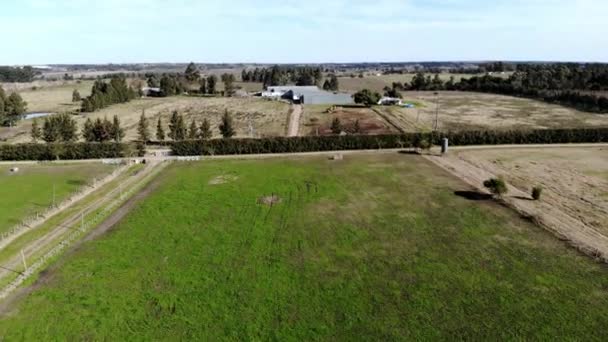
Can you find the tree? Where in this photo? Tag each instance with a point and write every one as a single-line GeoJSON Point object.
{"type": "Point", "coordinates": [192, 74]}
{"type": "Point", "coordinates": [357, 127]}
{"type": "Point", "coordinates": [193, 131]}
{"type": "Point", "coordinates": [76, 96]}
{"type": "Point", "coordinates": [60, 127]}
{"type": "Point", "coordinates": [336, 126]}
{"type": "Point", "coordinates": [143, 132]}
{"type": "Point", "coordinates": [228, 80]}
{"type": "Point", "coordinates": [36, 132]}
{"type": "Point", "coordinates": [2, 106]}
{"type": "Point", "coordinates": [205, 130]}
{"type": "Point", "coordinates": [160, 132]}
{"type": "Point", "coordinates": [14, 107]}
{"type": "Point", "coordinates": [211, 84]}
{"type": "Point", "coordinates": [88, 133]}
{"type": "Point", "coordinates": [177, 129]}
{"type": "Point", "coordinates": [116, 132]}
{"type": "Point", "coordinates": [326, 85]}
{"type": "Point", "coordinates": [226, 126]}
{"type": "Point", "coordinates": [50, 131]}
{"type": "Point", "coordinates": [366, 97]}
{"type": "Point", "coordinates": [102, 130]}
{"type": "Point", "coordinates": [497, 186]}
{"type": "Point", "coordinates": [153, 81]}
{"type": "Point", "coordinates": [333, 84]}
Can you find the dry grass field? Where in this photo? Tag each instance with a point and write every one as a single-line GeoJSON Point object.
{"type": "Point", "coordinates": [316, 120]}
{"type": "Point", "coordinates": [574, 202]}
{"type": "Point", "coordinates": [55, 99]}
{"type": "Point", "coordinates": [470, 111]}
{"type": "Point", "coordinates": [269, 118]}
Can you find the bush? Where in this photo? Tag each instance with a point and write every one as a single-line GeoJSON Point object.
{"type": "Point", "coordinates": [537, 191]}
{"type": "Point", "coordinates": [65, 151]}
{"type": "Point", "coordinates": [497, 186]}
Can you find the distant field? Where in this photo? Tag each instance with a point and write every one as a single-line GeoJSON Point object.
{"type": "Point", "coordinates": [369, 248]}
{"type": "Point", "coordinates": [469, 111]}
{"type": "Point", "coordinates": [56, 99]}
{"type": "Point", "coordinates": [30, 190]}
{"type": "Point", "coordinates": [269, 118]}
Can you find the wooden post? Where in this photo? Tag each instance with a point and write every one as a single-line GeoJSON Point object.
{"type": "Point", "coordinates": [23, 259]}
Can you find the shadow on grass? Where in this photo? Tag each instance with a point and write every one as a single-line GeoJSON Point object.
{"type": "Point", "coordinates": [473, 195]}
{"type": "Point", "coordinates": [523, 198]}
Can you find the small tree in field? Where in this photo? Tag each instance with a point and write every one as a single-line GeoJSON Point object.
{"type": "Point", "coordinates": [226, 126]}
{"type": "Point", "coordinates": [205, 130]}
{"type": "Point", "coordinates": [357, 127]}
{"type": "Point", "coordinates": [160, 132]}
{"type": "Point", "coordinates": [142, 128]}
{"type": "Point", "coordinates": [537, 191]}
{"type": "Point", "coordinates": [36, 131]}
{"type": "Point", "coordinates": [193, 130]}
{"type": "Point", "coordinates": [496, 186]}
{"type": "Point", "coordinates": [76, 96]}
{"type": "Point", "coordinates": [336, 126]}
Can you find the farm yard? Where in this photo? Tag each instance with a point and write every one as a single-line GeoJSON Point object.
{"type": "Point", "coordinates": [30, 190]}
{"type": "Point", "coordinates": [371, 247]}
{"type": "Point", "coordinates": [574, 181]}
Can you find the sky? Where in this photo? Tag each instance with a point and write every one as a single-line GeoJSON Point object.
{"type": "Point", "coordinates": [303, 31]}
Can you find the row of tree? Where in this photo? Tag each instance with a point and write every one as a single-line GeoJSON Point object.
{"type": "Point", "coordinates": [22, 75]}
{"type": "Point", "coordinates": [279, 75]}
{"type": "Point", "coordinates": [104, 94]}
{"type": "Point", "coordinates": [178, 130]}
{"type": "Point", "coordinates": [12, 107]}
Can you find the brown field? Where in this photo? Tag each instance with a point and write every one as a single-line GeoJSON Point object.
{"type": "Point", "coordinates": [469, 111]}
{"type": "Point", "coordinates": [574, 204]}
{"type": "Point", "coordinates": [269, 118]}
{"type": "Point", "coordinates": [316, 120]}
{"type": "Point", "coordinates": [55, 99]}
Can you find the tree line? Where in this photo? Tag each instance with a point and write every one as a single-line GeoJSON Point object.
{"type": "Point", "coordinates": [283, 75]}
{"type": "Point", "coordinates": [12, 108]}
{"type": "Point", "coordinates": [104, 94]}
{"type": "Point", "coordinates": [21, 75]}
{"type": "Point", "coordinates": [178, 131]}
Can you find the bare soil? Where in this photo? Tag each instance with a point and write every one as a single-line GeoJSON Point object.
{"type": "Point", "coordinates": [317, 120]}
{"type": "Point", "coordinates": [574, 203]}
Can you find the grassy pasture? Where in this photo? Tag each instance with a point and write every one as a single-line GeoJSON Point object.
{"type": "Point", "coordinates": [370, 248]}
{"type": "Point", "coordinates": [377, 83]}
{"type": "Point", "coordinates": [55, 99]}
{"type": "Point", "coordinates": [31, 189]}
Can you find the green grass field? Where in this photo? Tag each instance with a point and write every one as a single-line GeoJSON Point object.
{"type": "Point", "coordinates": [31, 189]}
{"type": "Point", "coordinates": [369, 248]}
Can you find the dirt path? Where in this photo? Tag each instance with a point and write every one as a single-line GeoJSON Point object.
{"type": "Point", "coordinates": [571, 215]}
{"type": "Point", "coordinates": [294, 121]}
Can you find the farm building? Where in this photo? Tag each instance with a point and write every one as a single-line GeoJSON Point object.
{"type": "Point", "coordinates": [390, 101]}
{"type": "Point", "coordinates": [151, 92]}
{"type": "Point", "coordinates": [307, 95]}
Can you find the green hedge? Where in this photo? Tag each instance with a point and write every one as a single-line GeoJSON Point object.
{"type": "Point", "coordinates": [368, 142]}
{"type": "Point", "coordinates": [68, 151]}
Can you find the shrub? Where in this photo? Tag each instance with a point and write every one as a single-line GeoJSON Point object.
{"type": "Point", "coordinates": [537, 191]}
{"type": "Point", "coordinates": [497, 186]}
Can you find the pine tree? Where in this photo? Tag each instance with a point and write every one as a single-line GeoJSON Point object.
{"type": "Point", "coordinates": [357, 127]}
{"type": "Point", "coordinates": [211, 84]}
{"type": "Point", "coordinates": [192, 73]}
{"type": "Point", "coordinates": [205, 131]}
{"type": "Point", "coordinates": [193, 131]}
{"type": "Point", "coordinates": [88, 133]}
{"type": "Point", "coordinates": [143, 131]}
{"type": "Point", "coordinates": [160, 132]}
{"type": "Point", "coordinates": [226, 126]}
{"type": "Point", "coordinates": [116, 132]}
{"type": "Point", "coordinates": [36, 132]}
{"type": "Point", "coordinates": [203, 88]}
{"type": "Point", "coordinates": [177, 129]}
{"type": "Point", "coordinates": [173, 125]}
{"type": "Point", "coordinates": [336, 126]}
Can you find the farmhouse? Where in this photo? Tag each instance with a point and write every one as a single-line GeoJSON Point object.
{"type": "Point", "coordinates": [151, 92]}
{"type": "Point", "coordinates": [306, 95]}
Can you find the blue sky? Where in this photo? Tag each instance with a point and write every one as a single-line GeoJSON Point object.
{"type": "Point", "coordinates": [288, 31]}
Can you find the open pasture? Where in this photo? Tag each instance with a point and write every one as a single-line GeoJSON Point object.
{"type": "Point", "coordinates": [477, 111]}
{"type": "Point", "coordinates": [30, 190]}
{"type": "Point", "coordinates": [268, 118]}
{"type": "Point", "coordinates": [374, 247]}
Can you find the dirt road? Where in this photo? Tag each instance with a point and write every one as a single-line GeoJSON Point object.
{"type": "Point", "coordinates": [294, 121]}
